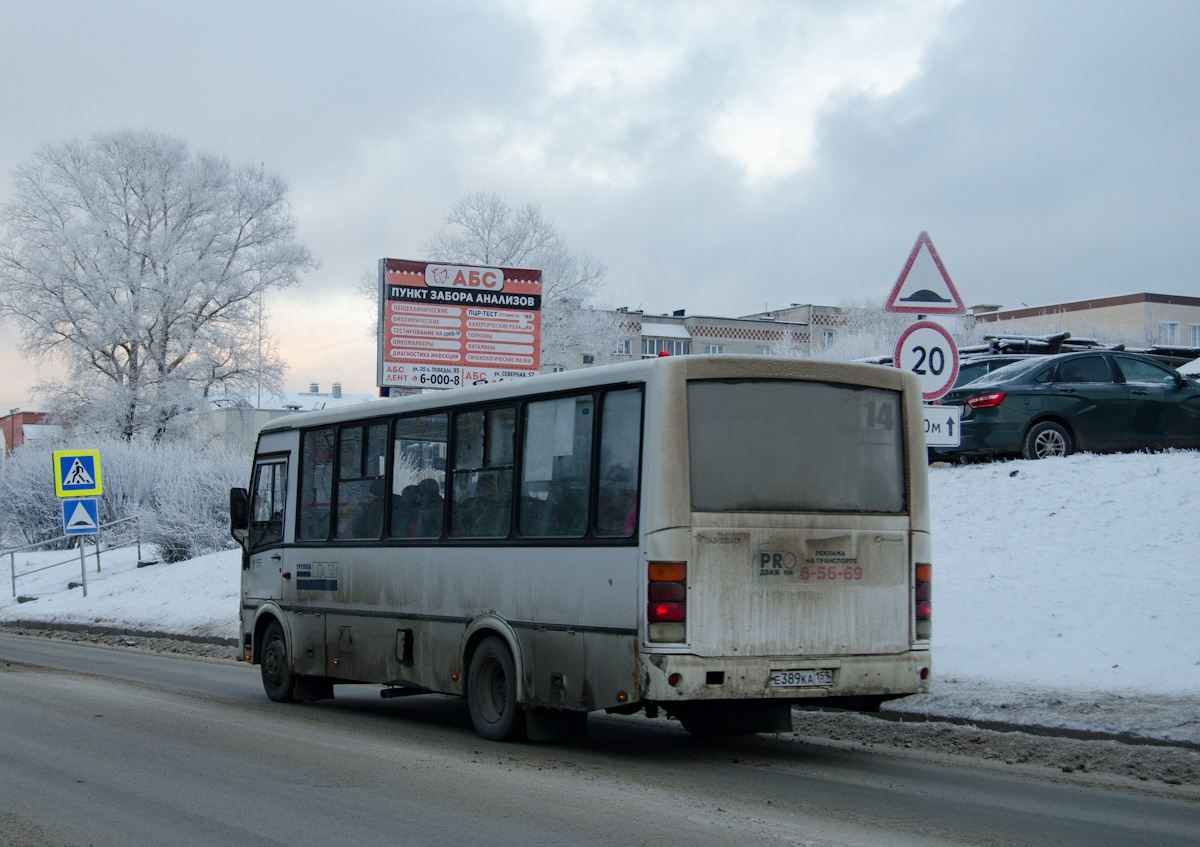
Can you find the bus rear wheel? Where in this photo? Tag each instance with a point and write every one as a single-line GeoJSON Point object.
{"type": "Point", "coordinates": [278, 680]}
{"type": "Point", "coordinates": [492, 693]}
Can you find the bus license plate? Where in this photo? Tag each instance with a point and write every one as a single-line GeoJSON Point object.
{"type": "Point", "coordinates": [822, 678]}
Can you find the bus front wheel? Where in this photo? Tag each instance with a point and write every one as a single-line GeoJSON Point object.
{"type": "Point", "coordinates": [492, 693]}
{"type": "Point", "coordinates": [278, 680]}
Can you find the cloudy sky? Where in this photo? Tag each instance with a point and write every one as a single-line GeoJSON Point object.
{"type": "Point", "coordinates": [719, 157]}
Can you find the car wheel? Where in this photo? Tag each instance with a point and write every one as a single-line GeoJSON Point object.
{"type": "Point", "coordinates": [492, 693]}
{"type": "Point", "coordinates": [278, 679]}
{"type": "Point", "coordinates": [1045, 440]}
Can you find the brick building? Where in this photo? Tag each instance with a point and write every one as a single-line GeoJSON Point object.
{"type": "Point", "coordinates": [17, 427]}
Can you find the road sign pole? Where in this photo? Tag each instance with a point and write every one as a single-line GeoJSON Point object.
{"type": "Point", "coordinates": [82, 568]}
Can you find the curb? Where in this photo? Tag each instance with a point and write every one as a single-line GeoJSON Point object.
{"type": "Point", "coordinates": [93, 629]}
{"type": "Point", "coordinates": [1038, 729]}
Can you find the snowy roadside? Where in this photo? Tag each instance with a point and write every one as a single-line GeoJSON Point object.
{"type": "Point", "coordinates": [1167, 719]}
{"type": "Point", "coordinates": [1064, 595]}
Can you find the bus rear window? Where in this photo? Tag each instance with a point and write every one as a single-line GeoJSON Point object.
{"type": "Point", "coordinates": [784, 446]}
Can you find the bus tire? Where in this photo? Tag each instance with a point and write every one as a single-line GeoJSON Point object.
{"type": "Point", "coordinates": [492, 693]}
{"type": "Point", "coordinates": [278, 680]}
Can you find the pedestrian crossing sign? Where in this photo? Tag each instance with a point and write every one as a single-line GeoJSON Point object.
{"type": "Point", "coordinates": [77, 473]}
{"type": "Point", "coordinates": [80, 517]}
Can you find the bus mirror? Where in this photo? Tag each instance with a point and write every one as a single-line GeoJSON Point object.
{"type": "Point", "coordinates": [239, 513]}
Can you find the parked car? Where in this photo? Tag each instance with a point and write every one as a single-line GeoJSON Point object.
{"type": "Point", "coordinates": [971, 368]}
{"type": "Point", "coordinates": [1101, 401]}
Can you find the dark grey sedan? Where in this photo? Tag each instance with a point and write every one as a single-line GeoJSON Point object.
{"type": "Point", "coordinates": [1095, 401]}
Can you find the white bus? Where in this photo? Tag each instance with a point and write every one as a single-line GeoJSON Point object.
{"type": "Point", "coordinates": [713, 537]}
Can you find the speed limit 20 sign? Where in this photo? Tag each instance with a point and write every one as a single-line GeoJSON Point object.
{"type": "Point", "coordinates": [927, 350]}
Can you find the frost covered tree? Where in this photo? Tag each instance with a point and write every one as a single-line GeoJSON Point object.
{"type": "Point", "coordinates": [865, 331]}
{"type": "Point", "coordinates": [482, 228]}
{"type": "Point", "coordinates": [140, 268]}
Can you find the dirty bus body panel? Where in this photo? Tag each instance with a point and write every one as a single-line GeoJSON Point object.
{"type": "Point", "coordinates": [717, 537]}
{"type": "Point", "coordinates": [805, 519]}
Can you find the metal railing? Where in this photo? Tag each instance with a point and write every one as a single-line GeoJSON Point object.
{"type": "Point", "coordinates": [96, 540]}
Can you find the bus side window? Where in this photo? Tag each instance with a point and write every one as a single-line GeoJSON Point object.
{"type": "Point", "coordinates": [620, 451]}
{"type": "Point", "coordinates": [267, 505]}
{"type": "Point", "coordinates": [556, 466]}
{"type": "Point", "coordinates": [316, 484]}
{"type": "Point", "coordinates": [483, 473]}
{"type": "Point", "coordinates": [418, 477]}
{"type": "Point", "coordinates": [361, 459]}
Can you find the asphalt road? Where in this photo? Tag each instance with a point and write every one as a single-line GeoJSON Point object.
{"type": "Point", "coordinates": [109, 747]}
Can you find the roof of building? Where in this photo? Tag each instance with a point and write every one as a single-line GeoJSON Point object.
{"type": "Point", "coordinates": [1084, 305]}
{"type": "Point", "coordinates": [292, 401]}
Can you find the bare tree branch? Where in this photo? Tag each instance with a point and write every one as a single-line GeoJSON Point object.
{"type": "Point", "coordinates": [484, 229]}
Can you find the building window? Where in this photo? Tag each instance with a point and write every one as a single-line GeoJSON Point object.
{"type": "Point", "coordinates": [714, 349]}
{"type": "Point", "coordinates": [828, 337]}
{"type": "Point", "coordinates": [764, 351]}
{"type": "Point", "coordinates": [589, 359]}
{"type": "Point", "coordinates": [624, 347]}
{"type": "Point", "coordinates": [1168, 332]}
{"type": "Point", "coordinates": [557, 369]}
{"type": "Point", "coordinates": [671, 346]}
{"type": "Point", "coordinates": [1194, 335]}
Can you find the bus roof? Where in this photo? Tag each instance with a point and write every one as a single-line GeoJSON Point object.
{"type": "Point", "coordinates": [693, 367]}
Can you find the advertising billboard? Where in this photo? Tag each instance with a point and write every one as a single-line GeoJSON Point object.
{"type": "Point", "coordinates": [444, 325]}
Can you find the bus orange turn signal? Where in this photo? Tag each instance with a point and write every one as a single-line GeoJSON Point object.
{"type": "Point", "coordinates": [667, 571]}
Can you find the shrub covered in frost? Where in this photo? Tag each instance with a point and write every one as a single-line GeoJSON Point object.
{"type": "Point", "coordinates": [178, 492]}
{"type": "Point", "coordinates": [29, 508]}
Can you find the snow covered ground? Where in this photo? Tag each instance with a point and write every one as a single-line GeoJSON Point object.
{"type": "Point", "coordinates": [1065, 593]}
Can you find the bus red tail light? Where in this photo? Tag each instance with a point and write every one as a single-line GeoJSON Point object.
{"type": "Point", "coordinates": [666, 607]}
{"type": "Point", "coordinates": [986, 401]}
{"type": "Point", "coordinates": [922, 595]}
{"type": "Point", "coordinates": [666, 612]}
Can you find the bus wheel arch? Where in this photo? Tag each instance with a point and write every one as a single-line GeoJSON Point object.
{"type": "Point", "coordinates": [273, 652]}
{"type": "Point", "coordinates": [264, 617]}
{"type": "Point", "coordinates": [493, 626]}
